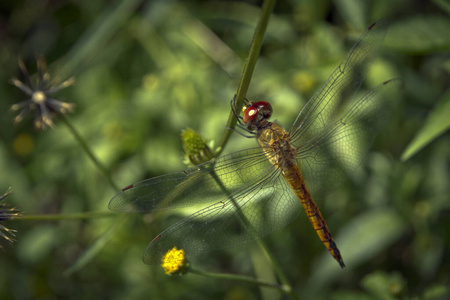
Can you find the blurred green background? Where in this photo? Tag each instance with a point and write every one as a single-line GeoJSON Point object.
{"type": "Point", "coordinates": [146, 70]}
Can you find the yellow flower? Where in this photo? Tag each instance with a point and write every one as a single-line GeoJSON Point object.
{"type": "Point", "coordinates": [174, 262]}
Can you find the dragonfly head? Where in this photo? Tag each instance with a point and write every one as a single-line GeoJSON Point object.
{"type": "Point", "coordinates": [255, 112]}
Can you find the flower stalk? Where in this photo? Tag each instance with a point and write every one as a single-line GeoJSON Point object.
{"type": "Point", "coordinates": [89, 152]}
{"type": "Point", "coordinates": [241, 278]}
{"type": "Point", "coordinates": [250, 63]}
{"type": "Point", "coordinates": [46, 107]}
{"type": "Point", "coordinates": [249, 67]}
{"type": "Point", "coordinates": [70, 216]}
{"type": "Point", "coordinates": [255, 48]}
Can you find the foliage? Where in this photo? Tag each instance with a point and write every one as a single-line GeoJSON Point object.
{"type": "Point", "coordinates": [147, 70]}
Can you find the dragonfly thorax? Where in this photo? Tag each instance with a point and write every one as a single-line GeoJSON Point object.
{"type": "Point", "coordinates": [276, 143]}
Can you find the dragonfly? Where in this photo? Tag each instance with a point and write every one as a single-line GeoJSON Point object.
{"type": "Point", "coordinates": [253, 192]}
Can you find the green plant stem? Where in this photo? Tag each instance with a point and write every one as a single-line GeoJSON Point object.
{"type": "Point", "coordinates": [240, 278]}
{"type": "Point", "coordinates": [89, 152]}
{"type": "Point", "coordinates": [250, 64]}
{"type": "Point", "coordinates": [72, 216]}
{"type": "Point", "coordinates": [277, 268]}
{"type": "Point", "coordinates": [95, 248]}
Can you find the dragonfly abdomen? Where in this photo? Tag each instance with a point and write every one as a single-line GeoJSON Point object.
{"type": "Point", "coordinates": [275, 141]}
{"type": "Point", "coordinates": [295, 179]}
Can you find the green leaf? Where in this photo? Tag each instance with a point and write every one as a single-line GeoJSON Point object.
{"type": "Point", "coordinates": [383, 286]}
{"type": "Point", "coordinates": [419, 35]}
{"type": "Point", "coordinates": [97, 36]}
{"type": "Point", "coordinates": [95, 248]}
{"type": "Point", "coordinates": [436, 292]}
{"type": "Point", "coordinates": [369, 234]}
{"type": "Point", "coordinates": [437, 123]}
{"type": "Point", "coordinates": [363, 238]}
{"type": "Point", "coordinates": [350, 295]}
{"type": "Point", "coordinates": [38, 243]}
{"type": "Point", "coordinates": [443, 4]}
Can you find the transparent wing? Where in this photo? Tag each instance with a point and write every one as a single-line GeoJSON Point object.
{"type": "Point", "coordinates": [196, 185]}
{"type": "Point", "coordinates": [327, 159]}
{"type": "Point", "coordinates": [335, 129]}
{"type": "Point", "coordinates": [332, 134]}
{"type": "Point", "coordinates": [252, 212]}
{"type": "Point", "coordinates": [242, 188]}
{"type": "Point", "coordinates": [327, 104]}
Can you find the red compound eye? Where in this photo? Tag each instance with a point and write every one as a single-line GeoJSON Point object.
{"type": "Point", "coordinates": [264, 108]}
{"type": "Point", "coordinates": [250, 114]}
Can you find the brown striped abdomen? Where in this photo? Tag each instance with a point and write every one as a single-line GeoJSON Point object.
{"type": "Point", "coordinates": [276, 144]}
{"type": "Point", "coordinates": [295, 179]}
